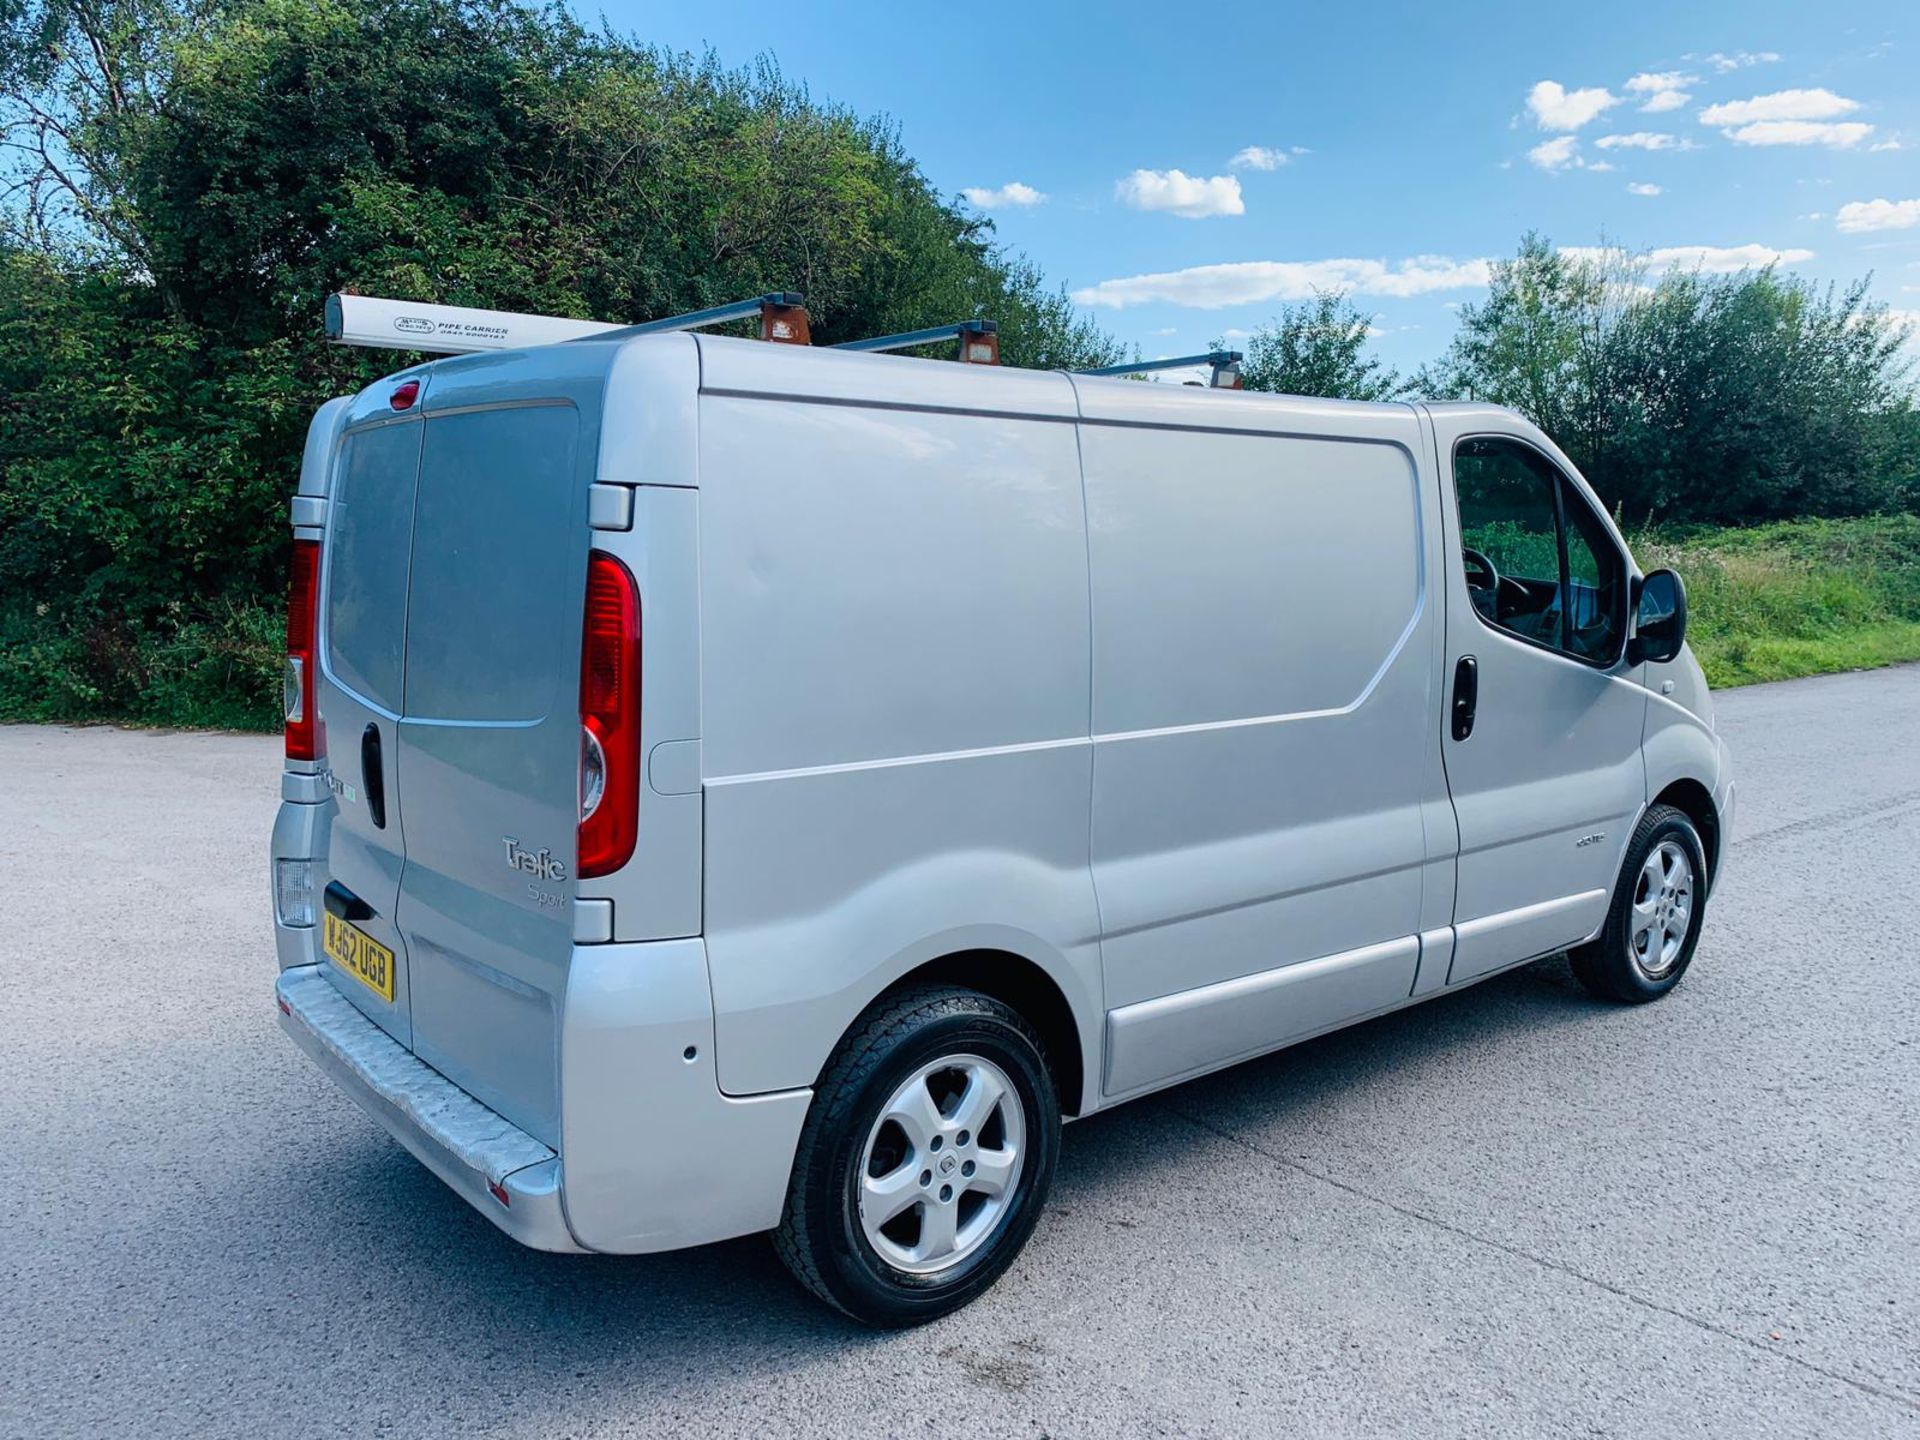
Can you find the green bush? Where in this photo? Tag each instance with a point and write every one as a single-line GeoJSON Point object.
{"type": "Point", "coordinates": [1797, 597]}
{"type": "Point", "coordinates": [185, 183]}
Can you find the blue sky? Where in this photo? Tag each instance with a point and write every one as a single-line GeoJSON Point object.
{"type": "Point", "coordinates": [1187, 169]}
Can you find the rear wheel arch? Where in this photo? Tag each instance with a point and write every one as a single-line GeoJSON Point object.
{"type": "Point", "coordinates": [1024, 986]}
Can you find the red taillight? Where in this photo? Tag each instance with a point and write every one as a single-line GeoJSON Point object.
{"type": "Point", "coordinates": [609, 718]}
{"type": "Point", "coordinates": [404, 394]}
{"type": "Point", "coordinates": [303, 604]}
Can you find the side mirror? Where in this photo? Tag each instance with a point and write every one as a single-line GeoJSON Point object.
{"type": "Point", "coordinates": [1660, 619]}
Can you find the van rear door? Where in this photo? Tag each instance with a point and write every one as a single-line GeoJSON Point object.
{"type": "Point", "coordinates": [359, 697]}
{"type": "Point", "coordinates": [489, 741]}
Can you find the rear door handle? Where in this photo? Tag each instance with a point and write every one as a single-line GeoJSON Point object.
{"type": "Point", "coordinates": [1466, 695]}
{"type": "Point", "coordinates": [373, 776]}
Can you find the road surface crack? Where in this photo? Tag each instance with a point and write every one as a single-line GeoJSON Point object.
{"type": "Point", "coordinates": [1546, 1263]}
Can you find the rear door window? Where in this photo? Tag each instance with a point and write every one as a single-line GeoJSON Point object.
{"type": "Point", "coordinates": [371, 531]}
{"type": "Point", "coordinates": [490, 609]}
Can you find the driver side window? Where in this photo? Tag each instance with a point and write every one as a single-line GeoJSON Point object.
{"type": "Point", "coordinates": [1539, 564]}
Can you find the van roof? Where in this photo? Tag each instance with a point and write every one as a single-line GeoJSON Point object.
{"type": "Point", "coordinates": [747, 367]}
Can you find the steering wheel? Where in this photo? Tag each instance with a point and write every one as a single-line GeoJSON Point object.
{"type": "Point", "coordinates": [1480, 560]}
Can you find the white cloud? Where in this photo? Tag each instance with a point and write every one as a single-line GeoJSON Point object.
{"type": "Point", "coordinates": [1738, 60]}
{"type": "Point", "coordinates": [1909, 320]}
{"type": "Point", "coordinates": [1258, 157]}
{"type": "Point", "coordinates": [1892, 142]}
{"type": "Point", "coordinates": [1834, 135]}
{"type": "Point", "coordinates": [1781, 105]}
{"type": "Point", "coordinates": [1013, 193]}
{"type": "Point", "coordinates": [1664, 89]}
{"type": "Point", "coordinates": [1709, 259]}
{"type": "Point", "coordinates": [1554, 107]}
{"type": "Point", "coordinates": [1653, 81]}
{"type": "Point", "coordinates": [1601, 167]}
{"type": "Point", "coordinates": [1249, 282]}
{"type": "Point", "coordinates": [1557, 154]}
{"type": "Point", "coordinates": [1638, 140]}
{"type": "Point", "coordinates": [1638, 187]}
{"type": "Point", "coordinates": [1175, 193]}
{"type": "Point", "coordinates": [1724, 259]}
{"type": "Point", "coordinates": [1857, 217]}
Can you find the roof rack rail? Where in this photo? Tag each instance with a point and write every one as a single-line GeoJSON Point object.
{"type": "Point", "coordinates": [461, 330]}
{"type": "Point", "coordinates": [979, 340]}
{"type": "Point", "coordinates": [1225, 365]}
{"type": "Point", "coordinates": [783, 318]}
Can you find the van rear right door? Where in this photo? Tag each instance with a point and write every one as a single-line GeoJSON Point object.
{"type": "Point", "coordinates": [489, 746]}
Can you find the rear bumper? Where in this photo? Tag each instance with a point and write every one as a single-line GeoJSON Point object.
{"type": "Point", "coordinates": [656, 1157]}
{"type": "Point", "coordinates": [463, 1142]}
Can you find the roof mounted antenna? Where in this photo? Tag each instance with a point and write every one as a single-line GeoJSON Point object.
{"type": "Point", "coordinates": [461, 330]}
{"type": "Point", "coordinates": [1225, 366]}
{"type": "Point", "coordinates": [979, 340]}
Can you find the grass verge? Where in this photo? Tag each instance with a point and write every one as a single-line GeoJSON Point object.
{"type": "Point", "coordinates": [1798, 597]}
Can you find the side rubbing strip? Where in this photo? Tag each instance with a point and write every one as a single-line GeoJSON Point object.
{"type": "Point", "coordinates": [1161, 1038]}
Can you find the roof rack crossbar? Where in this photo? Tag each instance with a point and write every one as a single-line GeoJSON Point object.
{"type": "Point", "coordinates": [740, 310]}
{"type": "Point", "coordinates": [979, 340]}
{"type": "Point", "coordinates": [1225, 365]}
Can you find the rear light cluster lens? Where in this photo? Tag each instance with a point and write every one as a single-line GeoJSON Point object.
{"type": "Point", "coordinates": [293, 893]}
{"type": "Point", "coordinates": [609, 718]}
{"type": "Point", "coordinates": [303, 604]}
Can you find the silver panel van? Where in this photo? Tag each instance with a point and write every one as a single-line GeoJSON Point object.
{"type": "Point", "coordinates": [737, 787]}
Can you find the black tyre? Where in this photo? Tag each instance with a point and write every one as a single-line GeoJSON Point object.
{"type": "Point", "coordinates": [1654, 922]}
{"type": "Point", "coordinates": [925, 1159]}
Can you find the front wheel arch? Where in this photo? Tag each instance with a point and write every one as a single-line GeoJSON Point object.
{"type": "Point", "coordinates": [1695, 801]}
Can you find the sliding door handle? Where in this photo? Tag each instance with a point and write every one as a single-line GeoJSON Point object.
{"type": "Point", "coordinates": [1466, 695]}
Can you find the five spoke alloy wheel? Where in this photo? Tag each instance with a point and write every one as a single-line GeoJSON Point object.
{"type": "Point", "coordinates": [1654, 920]}
{"type": "Point", "coordinates": [1662, 909]}
{"type": "Point", "coordinates": [940, 1163]}
{"type": "Point", "coordinates": [925, 1158]}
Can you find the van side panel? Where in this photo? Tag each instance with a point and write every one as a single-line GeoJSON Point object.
{"type": "Point", "coordinates": [895, 677]}
{"type": "Point", "coordinates": [1263, 707]}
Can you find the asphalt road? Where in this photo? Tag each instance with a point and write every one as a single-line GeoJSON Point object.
{"type": "Point", "coordinates": [1510, 1211]}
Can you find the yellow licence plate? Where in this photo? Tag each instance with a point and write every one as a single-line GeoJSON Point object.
{"type": "Point", "coordinates": [360, 955]}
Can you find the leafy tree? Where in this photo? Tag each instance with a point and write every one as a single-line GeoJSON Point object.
{"type": "Point", "coordinates": [183, 182]}
{"type": "Point", "coordinates": [1319, 348]}
{"type": "Point", "coordinates": [1714, 398]}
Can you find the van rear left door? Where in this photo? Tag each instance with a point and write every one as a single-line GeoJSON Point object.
{"type": "Point", "coordinates": [359, 696]}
